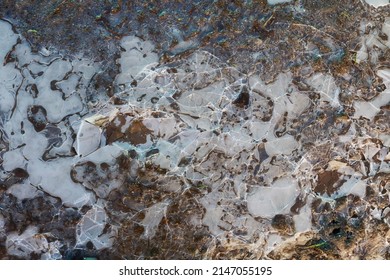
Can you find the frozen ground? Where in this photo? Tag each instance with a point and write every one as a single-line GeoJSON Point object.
{"type": "Point", "coordinates": [192, 157]}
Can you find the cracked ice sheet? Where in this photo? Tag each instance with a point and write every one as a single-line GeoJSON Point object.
{"type": "Point", "coordinates": [211, 100]}
{"type": "Point", "coordinates": [369, 109]}
{"type": "Point", "coordinates": [28, 85]}
{"type": "Point", "coordinates": [91, 228]}
{"type": "Point", "coordinates": [228, 128]}
{"type": "Point", "coordinates": [277, 199]}
{"type": "Point", "coordinates": [153, 217]}
{"type": "Point", "coordinates": [136, 57]}
{"type": "Point", "coordinates": [326, 85]}
{"type": "Point", "coordinates": [30, 241]}
{"type": "Point", "coordinates": [53, 177]}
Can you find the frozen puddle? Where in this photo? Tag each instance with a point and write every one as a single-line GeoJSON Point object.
{"type": "Point", "coordinates": [37, 114]}
{"type": "Point", "coordinates": [256, 154]}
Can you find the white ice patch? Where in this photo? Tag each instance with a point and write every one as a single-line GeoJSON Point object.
{"type": "Point", "coordinates": [137, 55]}
{"type": "Point", "coordinates": [36, 109]}
{"type": "Point", "coordinates": [302, 221]}
{"type": "Point", "coordinates": [266, 202]}
{"type": "Point", "coordinates": [23, 191]}
{"type": "Point", "coordinates": [372, 44]}
{"type": "Point", "coordinates": [13, 159]}
{"type": "Point", "coordinates": [377, 3]}
{"type": "Point", "coordinates": [326, 86]}
{"type": "Point", "coordinates": [275, 2]}
{"type": "Point", "coordinates": [153, 217]}
{"type": "Point", "coordinates": [107, 154]}
{"type": "Point", "coordinates": [355, 186]}
{"type": "Point", "coordinates": [7, 39]}
{"type": "Point", "coordinates": [91, 227]}
{"type": "Point", "coordinates": [369, 109]}
{"type": "Point", "coordinates": [284, 145]}
{"type": "Point", "coordinates": [54, 177]}
{"type": "Point", "coordinates": [88, 139]}
{"type": "Point", "coordinates": [30, 241]}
